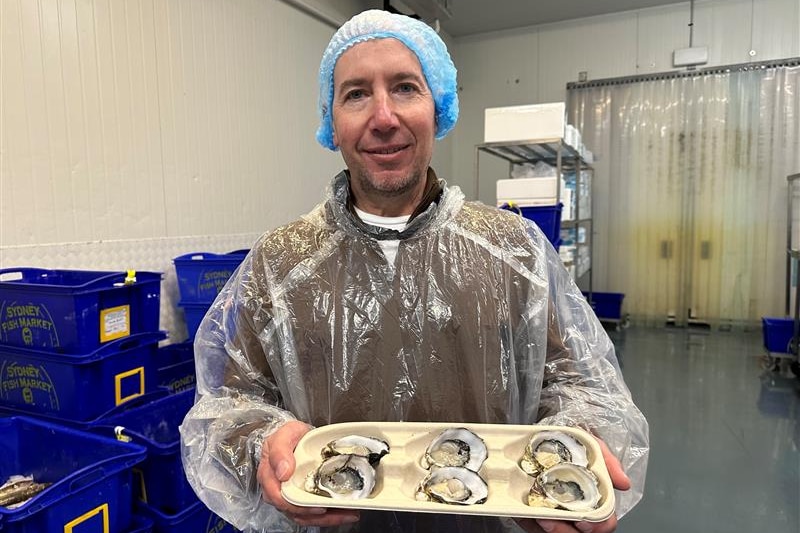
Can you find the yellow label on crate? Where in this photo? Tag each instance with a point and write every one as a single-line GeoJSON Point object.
{"type": "Point", "coordinates": [115, 323]}
{"type": "Point", "coordinates": [125, 376]}
{"type": "Point", "coordinates": [69, 527]}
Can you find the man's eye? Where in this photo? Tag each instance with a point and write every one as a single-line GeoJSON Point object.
{"type": "Point", "coordinates": [355, 94]}
{"type": "Point", "coordinates": [406, 88]}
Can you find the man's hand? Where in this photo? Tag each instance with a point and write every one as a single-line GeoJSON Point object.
{"type": "Point", "coordinates": [277, 465]}
{"type": "Point", "coordinates": [620, 482]}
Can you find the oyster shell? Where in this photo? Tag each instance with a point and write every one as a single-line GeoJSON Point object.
{"type": "Point", "coordinates": [456, 447]}
{"type": "Point", "coordinates": [569, 486]}
{"type": "Point", "coordinates": [549, 448]}
{"type": "Point", "coordinates": [455, 485]}
{"type": "Point", "coordinates": [537, 498]}
{"type": "Point", "coordinates": [342, 477]}
{"type": "Point", "coordinates": [371, 448]}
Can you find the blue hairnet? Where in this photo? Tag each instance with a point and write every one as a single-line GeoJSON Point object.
{"type": "Point", "coordinates": [437, 67]}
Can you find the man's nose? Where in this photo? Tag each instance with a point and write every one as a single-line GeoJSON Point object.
{"type": "Point", "coordinates": [384, 116]}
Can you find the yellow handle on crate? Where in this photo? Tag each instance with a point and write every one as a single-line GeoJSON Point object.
{"type": "Point", "coordinates": [130, 277]}
{"type": "Point", "coordinates": [138, 474]}
{"type": "Point", "coordinates": [103, 508]}
{"type": "Point", "coordinates": [118, 385]}
{"type": "Point", "coordinates": [513, 207]}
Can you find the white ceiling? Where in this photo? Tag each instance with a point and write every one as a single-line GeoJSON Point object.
{"type": "Point", "coordinates": [479, 16]}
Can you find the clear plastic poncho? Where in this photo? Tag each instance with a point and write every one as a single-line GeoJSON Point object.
{"type": "Point", "coordinates": [476, 321]}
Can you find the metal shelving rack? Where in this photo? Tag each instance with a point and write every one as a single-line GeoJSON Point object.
{"type": "Point", "coordinates": [564, 158]}
{"type": "Point", "coordinates": [792, 268]}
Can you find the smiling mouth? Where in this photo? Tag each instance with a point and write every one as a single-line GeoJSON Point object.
{"type": "Point", "coordinates": [387, 151]}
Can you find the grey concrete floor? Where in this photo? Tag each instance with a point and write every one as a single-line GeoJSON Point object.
{"type": "Point", "coordinates": [724, 433]}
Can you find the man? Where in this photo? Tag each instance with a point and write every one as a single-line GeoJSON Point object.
{"type": "Point", "coordinates": [395, 300]}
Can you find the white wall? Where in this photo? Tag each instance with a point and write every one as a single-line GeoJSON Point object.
{"type": "Point", "coordinates": [534, 64]}
{"type": "Point", "coordinates": [139, 119]}
{"type": "Point", "coordinates": [151, 119]}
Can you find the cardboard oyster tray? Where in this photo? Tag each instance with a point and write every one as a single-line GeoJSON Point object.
{"type": "Point", "coordinates": [399, 473]}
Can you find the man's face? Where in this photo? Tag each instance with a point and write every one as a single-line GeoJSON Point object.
{"type": "Point", "coordinates": [383, 120]}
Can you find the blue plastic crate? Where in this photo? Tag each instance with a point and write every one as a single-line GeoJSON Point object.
{"type": "Point", "coordinates": [93, 424]}
{"type": "Point", "coordinates": [160, 480]}
{"type": "Point", "coordinates": [607, 305]}
{"type": "Point", "coordinates": [91, 476]}
{"type": "Point", "coordinates": [547, 217]}
{"type": "Point", "coordinates": [176, 370]}
{"type": "Point", "coordinates": [777, 333]}
{"type": "Point", "coordinates": [79, 387]}
{"type": "Point", "coordinates": [141, 524]}
{"type": "Point", "coordinates": [194, 314]}
{"type": "Point", "coordinates": [196, 518]}
{"type": "Point", "coordinates": [202, 275]}
{"type": "Point", "coordinates": [75, 311]}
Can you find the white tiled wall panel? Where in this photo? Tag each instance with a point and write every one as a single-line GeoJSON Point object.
{"type": "Point", "coordinates": [140, 119]}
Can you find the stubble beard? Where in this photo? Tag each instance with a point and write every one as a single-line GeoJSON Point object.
{"type": "Point", "coordinates": [392, 188]}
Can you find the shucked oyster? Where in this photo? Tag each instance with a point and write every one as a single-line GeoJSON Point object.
{"type": "Point", "coordinates": [456, 447]}
{"type": "Point", "coordinates": [343, 477]}
{"type": "Point", "coordinates": [566, 486]}
{"type": "Point", "coordinates": [548, 448]}
{"type": "Point", "coordinates": [537, 497]}
{"type": "Point", "coordinates": [454, 485]}
{"type": "Point", "coordinates": [372, 449]}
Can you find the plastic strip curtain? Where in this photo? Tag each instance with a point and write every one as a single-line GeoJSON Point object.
{"type": "Point", "coordinates": [690, 187]}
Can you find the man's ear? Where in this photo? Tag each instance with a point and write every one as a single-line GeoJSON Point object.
{"type": "Point", "coordinates": [335, 138]}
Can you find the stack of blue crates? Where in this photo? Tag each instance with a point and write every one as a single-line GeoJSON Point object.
{"type": "Point", "coordinates": [163, 494]}
{"type": "Point", "coordinates": [73, 346]}
{"type": "Point", "coordinates": [201, 277]}
{"type": "Point", "coordinates": [80, 367]}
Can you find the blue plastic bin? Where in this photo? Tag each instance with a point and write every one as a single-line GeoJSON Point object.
{"type": "Point", "coordinates": [160, 480]}
{"type": "Point", "coordinates": [202, 275]}
{"type": "Point", "coordinates": [607, 305]}
{"type": "Point", "coordinates": [194, 314]}
{"type": "Point", "coordinates": [176, 366]}
{"type": "Point", "coordinates": [547, 217]}
{"type": "Point", "coordinates": [91, 478]}
{"type": "Point", "coordinates": [777, 333]}
{"type": "Point", "coordinates": [196, 518]}
{"type": "Point", "coordinates": [79, 387]}
{"type": "Point", "coordinates": [141, 524]}
{"type": "Point", "coordinates": [75, 311]}
{"type": "Point", "coordinates": [88, 425]}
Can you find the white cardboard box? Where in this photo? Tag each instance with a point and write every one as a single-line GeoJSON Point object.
{"type": "Point", "coordinates": [524, 122]}
{"type": "Point", "coordinates": [517, 190]}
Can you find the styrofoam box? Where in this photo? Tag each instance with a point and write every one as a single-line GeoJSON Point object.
{"type": "Point", "coordinates": [524, 123]}
{"type": "Point", "coordinates": [528, 202]}
{"type": "Point", "coordinates": [515, 190]}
